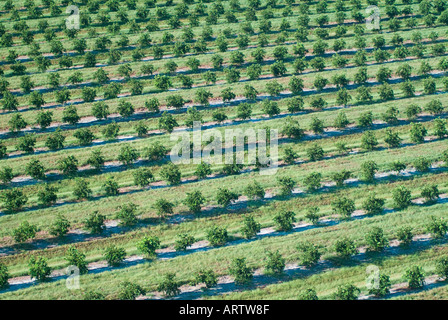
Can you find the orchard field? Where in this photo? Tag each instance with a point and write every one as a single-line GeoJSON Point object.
{"type": "Point", "coordinates": [92, 206]}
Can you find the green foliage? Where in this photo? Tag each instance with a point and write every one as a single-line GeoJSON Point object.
{"type": "Point", "coordinates": [275, 263]}
{"type": "Point", "coordinates": [340, 177]}
{"type": "Point", "coordinates": [270, 108]}
{"type": "Point", "coordinates": [224, 197]}
{"type": "Point", "coordinates": [142, 177]}
{"type": "Point", "coordinates": [254, 190]}
{"type": "Point", "coordinates": [44, 118]}
{"type": "Point", "coordinates": [111, 131]}
{"type": "Point", "coordinates": [6, 175]}
{"type": "Point", "coordinates": [183, 241]}
{"type": "Point", "coordinates": [148, 246]}
{"type": "Point", "coordinates": [392, 139]}
{"type": "Point", "coordinates": [17, 123]}
{"type": "Point", "coordinates": [290, 155]}
{"type": "Point", "coordinates": [412, 111]}
{"type": "Point", "coordinates": [441, 268]}
{"type": "Point", "coordinates": [422, 164]}
{"type": "Point", "coordinates": [444, 157]}
{"type": "Point", "coordinates": [295, 104]}
{"type": "Point", "coordinates": [152, 105]}
{"type": "Point", "coordinates": [13, 199]}
{"type": "Point", "coordinates": [308, 294]}
{"type": "Point", "coordinates": [155, 152]}
{"type": "Point", "coordinates": [323, 23]}
{"type": "Point", "coordinates": [3, 149]}
{"type": "Point", "coordinates": [312, 181]}
{"type": "Point", "coordinates": [430, 193]}
{"type": "Point", "coordinates": [163, 207]}
{"type": "Point", "coordinates": [415, 277]}
{"type": "Point", "coordinates": [286, 185]}
{"type": "Point", "coordinates": [128, 155]}
{"type": "Point", "coordinates": [434, 106]}
{"type": "Point", "coordinates": [295, 85]}
{"type": "Point", "coordinates": [232, 168]}
{"type": "Point", "coordinates": [4, 276]}
{"type": "Point", "coordinates": [343, 97]}
{"type": "Point", "coordinates": [171, 174]}
{"type": "Point", "coordinates": [341, 120]}
{"type": "Point", "coordinates": [193, 115]}
{"type": "Point", "coordinates": [70, 115]}
{"type": "Point", "coordinates": [217, 236]}
{"type": "Point", "coordinates": [84, 136]}
{"type": "Point", "coordinates": [125, 109]}
{"type": "Point", "coordinates": [60, 226]}
{"type": "Point", "coordinates": [206, 276]}
{"type": "Point", "coordinates": [39, 268]}
{"type": "Point", "coordinates": [405, 235]}
{"type": "Point", "coordinates": [127, 214]}
{"type": "Point", "coordinates": [81, 189]}
{"type": "Point", "coordinates": [440, 129]}
{"type": "Point", "coordinates": [203, 170]}
{"type": "Point", "coordinates": [398, 166]}
{"type": "Point", "coordinates": [167, 122]}
{"type": "Point", "coordinates": [309, 254]}
{"type": "Point", "coordinates": [194, 201]}
{"type": "Point", "coordinates": [111, 187]}
{"type": "Point", "coordinates": [95, 222]}
{"type": "Point", "coordinates": [130, 291]}
{"type": "Point", "coordinates": [244, 111]}
{"type": "Point", "coordinates": [250, 228]}
{"type": "Point", "coordinates": [56, 140]}
{"type": "Point", "coordinates": [141, 128]}
{"type": "Point", "coordinates": [24, 232]}
{"type": "Point", "coordinates": [240, 271]}
{"type": "Point", "coordinates": [418, 133]}
{"type": "Point", "coordinates": [68, 165]}
{"type": "Point", "coordinates": [402, 197]}
{"type": "Point", "coordinates": [284, 220]}
{"type": "Point", "coordinates": [365, 119]}
{"type": "Point", "coordinates": [368, 141]}
{"type": "Point", "coordinates": [437, 227]}
{"type": "Point", "coordinates": [312, 215]}
{"type": "Point", "coordinates": [346, 292]}
{"type": "Point", "coordinates": [368, 169]}
{"type": "Point", "coordinates": [27, 143]}
{"type": "Point", "coordinates": [315, 152]}
{"type": "Point", "coordinates": [373, 205]}
{"type": "Point", "coordinates": [114, 255]}
{"type": "Point", "coordinates": [9, 102]}
{"type": "Point", "coordinates": [169, 285]}
{"type": "Point", "coordinates": [344, 207]}
{"type": "Point", "coordinates": [345, 248]}
{"type": "Point", "coordinates": [375, 239]}
{"type": "Point", "coordinates": [292, 129]}
{"type": "Point", "coordinates": [47, 195]}
{"type": "Point", "coordinates": [175, 101]}
{"type": "Point", "coordinates": [318, 103]}
{"type": "Point", "coordinates": [96, 159]}
{"type": "Point", "coordinates": [202, 96]}
{"type": "Point", "coordinates": [35, 169]}
{"type": "Point", "coordinates": [76, 258]}
{"type": "Point", "coordinates": [391, 115]}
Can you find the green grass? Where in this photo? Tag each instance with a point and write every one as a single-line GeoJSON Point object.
{"type": "Point", "coordinates": [149, 274]}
